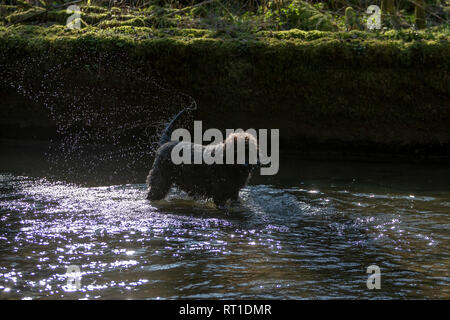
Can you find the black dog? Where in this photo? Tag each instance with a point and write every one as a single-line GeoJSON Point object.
{"type": "Point", "coordinates": [221, 182]}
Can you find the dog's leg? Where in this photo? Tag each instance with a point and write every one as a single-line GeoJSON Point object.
{"type": "Point", "coordinates": [159, 182]}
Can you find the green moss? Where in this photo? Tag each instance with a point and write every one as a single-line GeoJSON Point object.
{"type": "Point", "coordinates": [134, 22]}
{"type": "Point", "coordinates": [403, 35]}
{"type": "Point", "coordinates": [27, 15]}
{"type": "Point", "coordinates": [337, 48]}
{"type": "Point", "coordinates": [37, 14]}
{"type": "Point", "coordinates": [94, 9]}
{"type": "Point", "coordinates": [115, 10]}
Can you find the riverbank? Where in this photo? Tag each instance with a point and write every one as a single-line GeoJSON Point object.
{"type": "Point", "coordinates": [357, 91]}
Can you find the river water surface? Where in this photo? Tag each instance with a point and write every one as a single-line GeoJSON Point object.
{"type": "Point", "coordinates": [309, 232]}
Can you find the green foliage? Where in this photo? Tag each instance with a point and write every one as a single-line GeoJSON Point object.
{"type": "Point", "coordinates": [300, 15]}
{"type": "Point", "coordinates": [201, 12]}
{"type": "Point", "coordinates": [227, 17]}
{"type": "Point", "coordinates": [351, 20]}
{"type": "Point", "coordinates": [388, 13]}
{"type": "Point", "coordinates": [27, 15]}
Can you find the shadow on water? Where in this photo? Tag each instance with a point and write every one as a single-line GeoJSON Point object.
{"type": "Point", "coordinates": [309, 232]}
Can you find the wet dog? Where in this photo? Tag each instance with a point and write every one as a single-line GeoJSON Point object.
{"type": "Point", "coordinates": [219, 181]}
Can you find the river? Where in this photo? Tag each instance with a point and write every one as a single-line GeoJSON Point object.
{"type": "Point", "coordinates": [309, 232]}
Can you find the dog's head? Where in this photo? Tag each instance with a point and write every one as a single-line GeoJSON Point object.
{"type": "Point", "coordinates": [244, 149]}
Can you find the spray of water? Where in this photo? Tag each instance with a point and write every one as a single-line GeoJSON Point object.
{"type": "Point", "coordinates": [108, 113]}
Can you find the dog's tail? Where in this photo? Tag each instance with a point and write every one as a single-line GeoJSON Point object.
{"type": "Point", "coordinates": [167, 133]}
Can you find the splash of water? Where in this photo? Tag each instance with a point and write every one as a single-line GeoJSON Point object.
{"type": "Point", "coordinates": [108, 112]}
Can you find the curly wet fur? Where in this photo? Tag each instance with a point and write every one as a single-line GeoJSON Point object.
{"type": "Point", "coordinates": [221, 182]}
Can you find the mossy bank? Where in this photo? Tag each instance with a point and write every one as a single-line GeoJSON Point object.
{"type": "Point", "coordinates": [329, 91]}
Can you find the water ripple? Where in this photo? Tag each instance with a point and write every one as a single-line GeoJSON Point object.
{"type": "Point", "coordinates": [279, 243]}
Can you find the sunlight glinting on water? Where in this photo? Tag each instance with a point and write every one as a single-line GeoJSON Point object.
{"type": "Point", "coordinates": [290, 239]}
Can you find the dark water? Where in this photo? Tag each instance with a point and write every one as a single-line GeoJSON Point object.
{"type": "Point", "coordinates": [309, 232]}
